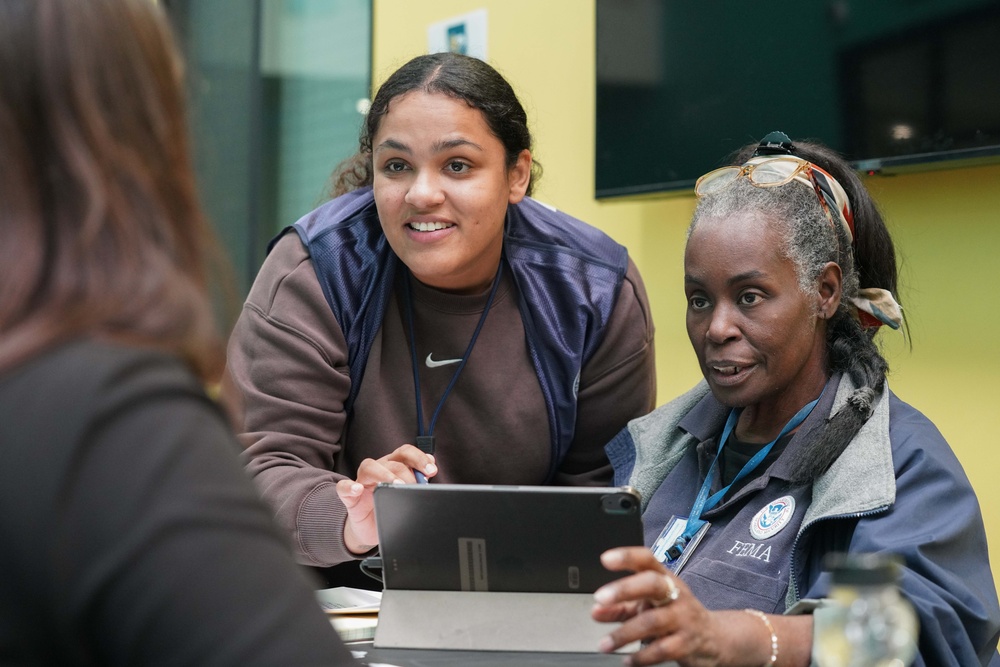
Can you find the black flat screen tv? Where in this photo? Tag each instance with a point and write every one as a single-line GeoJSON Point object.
{"type": "Point", "coordinates": [892, 84]}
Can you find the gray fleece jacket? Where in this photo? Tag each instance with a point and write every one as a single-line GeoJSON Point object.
{"type": "Point", "coordinates": [896, 488]}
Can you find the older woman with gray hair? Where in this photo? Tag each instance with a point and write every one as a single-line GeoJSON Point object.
{"type": "Point", "coordinates": [794, 447]}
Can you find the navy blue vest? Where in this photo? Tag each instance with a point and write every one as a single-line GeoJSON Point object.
{"type": "Point", "coordinates": [568, 275]}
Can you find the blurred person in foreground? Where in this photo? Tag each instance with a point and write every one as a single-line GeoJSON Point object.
{"type": "Point", "coordinates": [794, 446]}
{"type": "Point", "coordinates": [130, 533]}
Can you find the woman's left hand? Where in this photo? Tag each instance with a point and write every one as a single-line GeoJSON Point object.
{"type": "Point", "coordinates": [657, 609]}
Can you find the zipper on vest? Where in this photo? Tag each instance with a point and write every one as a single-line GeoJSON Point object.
{"type": "Point", "coordinates": [793, 572]}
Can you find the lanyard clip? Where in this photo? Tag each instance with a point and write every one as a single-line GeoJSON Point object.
{"type": "Point", "coordinates": [674, 552]}
{"type": "Point", "coordinates": [425, 443]}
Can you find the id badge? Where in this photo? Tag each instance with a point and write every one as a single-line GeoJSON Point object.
{"type": "Point", "coordinates": [668, 538]}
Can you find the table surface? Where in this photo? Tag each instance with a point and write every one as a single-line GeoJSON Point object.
{"type": "Point", "coordinates": [397, 657]}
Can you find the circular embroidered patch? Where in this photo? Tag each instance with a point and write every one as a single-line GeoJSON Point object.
{"type": "Point", "coordinates": [772, 518]}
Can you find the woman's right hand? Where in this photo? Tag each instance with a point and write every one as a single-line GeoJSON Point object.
{"type": "Point", "coordinates": [658, 609]}
{"type": "Point", "coordinates": [360, 534]}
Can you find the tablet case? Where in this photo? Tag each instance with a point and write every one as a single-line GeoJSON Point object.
{"type": "Point", "coordinates": [497, 567]}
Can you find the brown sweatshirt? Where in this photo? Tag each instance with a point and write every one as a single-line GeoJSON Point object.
{"type": "Point", "coordinates": [288, 361]}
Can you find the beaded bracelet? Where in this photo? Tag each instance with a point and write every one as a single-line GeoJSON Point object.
{"type": "Point", "coordinates": [770, 628]}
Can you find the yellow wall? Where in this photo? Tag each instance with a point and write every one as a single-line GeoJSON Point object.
{"type": "Point", "coordinates": [945, 224]}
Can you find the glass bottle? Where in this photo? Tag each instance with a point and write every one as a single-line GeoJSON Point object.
{"type": "Point", "coordinates": [865, 622]}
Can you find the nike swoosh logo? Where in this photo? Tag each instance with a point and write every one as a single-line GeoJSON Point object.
{"type": "Point", "coordinates": [444, 362]}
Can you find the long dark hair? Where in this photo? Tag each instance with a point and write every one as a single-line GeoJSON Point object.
{"type": "Point", "coordinates": [102, 233]}
{"type": "Point", "coordinates": [462, 77]}
{"type": "Point", "coordinates": [811, 242]}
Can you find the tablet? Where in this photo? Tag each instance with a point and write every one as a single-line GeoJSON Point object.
{"type": "Point", "coordinates": [543, 539]}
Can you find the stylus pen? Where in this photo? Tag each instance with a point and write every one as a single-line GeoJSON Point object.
{"type": "Point", "coordinates": [421, 478]}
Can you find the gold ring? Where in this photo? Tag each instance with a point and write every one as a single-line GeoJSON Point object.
{"type": "Point", "coordinates": [672, 592]}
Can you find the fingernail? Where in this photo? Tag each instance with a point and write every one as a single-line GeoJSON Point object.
{"type": "Point", "coordinates": [612, 557]}
{"type": "Point", "coordinates": [606, 645]}
{"type": "Point", "coordinates": [430, 469]}
{"type": "Point", "coordinates": [356, 489]}
{"type": "Point", "coordinates": [398, 481]}
{"type": "Point", "coordinates": [604, 595]}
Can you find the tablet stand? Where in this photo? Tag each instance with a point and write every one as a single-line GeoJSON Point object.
{"type": "Point", "coordinates": [485, 621]}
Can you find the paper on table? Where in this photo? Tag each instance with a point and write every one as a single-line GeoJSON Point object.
{"type": "Point", "coordinates": [355, 628]}
{"type": "Point", "coordinates": [346, 600]}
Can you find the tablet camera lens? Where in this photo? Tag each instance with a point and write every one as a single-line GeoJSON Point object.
{"type": "Point", "coordinates": [619, 504]}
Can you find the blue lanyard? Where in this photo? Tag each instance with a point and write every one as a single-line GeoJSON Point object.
{"type": "Point", "coordinates": [426, 441]}
{"type": "Point", "coordinates": [704, 503]}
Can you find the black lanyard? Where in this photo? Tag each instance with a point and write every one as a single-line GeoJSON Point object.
{"type": "Point", "coordinates": [426, 441]}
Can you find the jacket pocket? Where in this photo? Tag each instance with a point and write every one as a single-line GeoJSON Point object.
{"type": "Point", "coordinates": [719, 585]}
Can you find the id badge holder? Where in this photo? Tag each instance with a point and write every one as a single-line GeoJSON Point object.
{"type": "Point", "coordinates": [668, 538]}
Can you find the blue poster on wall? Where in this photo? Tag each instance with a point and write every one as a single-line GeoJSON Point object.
{"type": "Point", "coordinates": [464, 34]}
{"type": "Point", "coordinates": [458, 39]}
